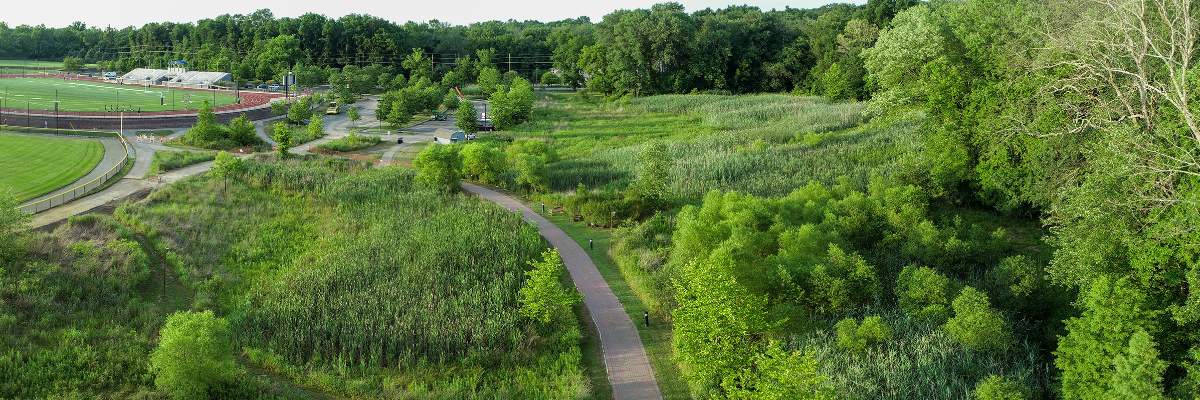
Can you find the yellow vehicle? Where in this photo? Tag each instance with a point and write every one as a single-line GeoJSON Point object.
{"type": "Point", "coordinates": [333, 108]}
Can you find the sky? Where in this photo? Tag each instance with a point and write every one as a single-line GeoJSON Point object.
{"type": "Point", "coordinates": [122, 13]}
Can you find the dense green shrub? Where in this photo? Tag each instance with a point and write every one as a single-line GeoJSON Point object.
{"type": "Point", "coordinates": [439, 167]}
{"type": "Point", "coordinates": [209, 134]}
{"type": "Point", "coordinates": [484, 163]}
{"type": "Point", "coordinates": [976, 324]}
{"type": "Point", "coordinates": [857, 337]}
{"type": "Point", "coordinates": [780, 374]}
{"type": "Point", "coordinates": [718, 324]}
{"type": "Point", "coordinates": [194, 355]}
{"type": "Point", "coordinates": [1113, 312]}
{"type": "Point", "coordinates": [924, 293]}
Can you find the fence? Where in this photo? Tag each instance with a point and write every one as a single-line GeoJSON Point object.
{"type": "Point", "coordinates": [82, 189]}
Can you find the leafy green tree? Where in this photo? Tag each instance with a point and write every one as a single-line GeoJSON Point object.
{"type": "Point", "coordinates": [194, 354]}
{"type": "Point", "coordinates": [400, 113]}
{"type": "Point", "coordinates": [513, 106]}
{"type": "Point", "coordinates": [300, 111]}
{"type": "Point", "coordinates": [1112, 313]}
{"type": "Point", "coordinates": [399, 82]}
{"type": "Point", "coordinates": [488, 80]}
{"type": "Point", "coordinates": [439, 167]}
{"type": "Point", "coordinates": [718, 323]}
{"type": "Point", "coordinates": [384, 106]}
{"type": "Point", "coordinates": [226, 165]}
{"type": "Point", "coordinates": [466, 118]}
{"type": "Point", "coordinates": [543, 297]}
{"type": "Point", "coordinates": [567, 44]}
{"type": "Point", "coordinates": [653, 176]}
{"type": "Point", "coordinates": [837, 84]}
{"type": "Point", "coordinates": [282, 134]}
{"type": "Point", "coordinates": [531, 173]}
{"type": "Point", "coordinates": [976, 325]}
{"type": "Point", "coordinates": [997, 387]}
{"type": "Point", "coordinates": [242, 131]}
{"type": "Point", "coordinates": [72, 64]}
{"type": "Point", "coordinates": [923, 293]}
{"type": "Point", "coordinates": [275, 56]}
{"type": "Point", "coordinates": [316, 127]}
{"type": "Point", "coordinates": [1138, 373]}
{"type": "Point", "coordinates": [450, 101]}
{"type": "Point", "coordinates": [206, 130]}
{"type": "Point", "coordinates": [308, 75]}
{"type": "Point", "coordinates": [352, 113]}
{"type": "Point", "coordinates": [417, 64]}
{"type": "Point", "coordinates": [483, 162]}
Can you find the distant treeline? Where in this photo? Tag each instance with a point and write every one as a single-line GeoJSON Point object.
{"type": "Point", "coordinates": [644, 51]}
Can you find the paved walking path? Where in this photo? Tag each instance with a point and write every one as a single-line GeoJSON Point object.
{"type": "Point", "coordinates": [629, 369]}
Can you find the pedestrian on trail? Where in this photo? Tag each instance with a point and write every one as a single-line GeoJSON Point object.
{"type": "Point", "coordinates": [646, 316]}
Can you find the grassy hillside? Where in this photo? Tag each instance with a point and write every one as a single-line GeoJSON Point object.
{"type": "Point", "coordinates": [334, 278]}
{"type": "Point", "coordinates": [36, 165]}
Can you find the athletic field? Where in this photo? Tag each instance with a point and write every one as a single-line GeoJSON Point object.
{"type": "Point", "coordinates": [31, 166]}
{"type": "Point", "coordinates": [77, 95]}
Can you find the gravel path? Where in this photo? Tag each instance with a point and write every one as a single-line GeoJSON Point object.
{"type": "Point", "coordinates": [629, 369]}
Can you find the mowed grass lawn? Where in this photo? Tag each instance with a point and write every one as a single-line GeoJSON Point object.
{"type": "Point", "coordinates": [73, 95]}
{"type": "Point", "coordinates": [31, 166]}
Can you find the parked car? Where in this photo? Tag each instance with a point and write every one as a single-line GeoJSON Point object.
{"type": "Point", "coordinates": [274, 87]}
{"type": "Point", "coordinates": [261, 86]}
{"type": "Point", "coordinates": [439, 116]}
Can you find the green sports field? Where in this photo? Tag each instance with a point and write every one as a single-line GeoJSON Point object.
{"type": "Point", "coordinates": [31, 166]}
{"type": "Point", "coordinates": [74, 95]}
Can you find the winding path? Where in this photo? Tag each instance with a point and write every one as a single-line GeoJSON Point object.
{"type": "Point", "coordinates": [629, 369]}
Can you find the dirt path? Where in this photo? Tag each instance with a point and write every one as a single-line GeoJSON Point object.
{"type": "Point", "coordinates": [629, 369]}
